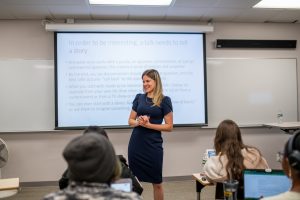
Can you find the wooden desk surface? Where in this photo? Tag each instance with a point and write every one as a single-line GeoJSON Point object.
{"type": "Point", "coordinates": [9, 183]}
{"type": "Point", "coordinates": [198, 177]}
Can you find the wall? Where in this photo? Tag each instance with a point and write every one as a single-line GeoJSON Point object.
{"type": "Point", "coordinates": [36, 157]}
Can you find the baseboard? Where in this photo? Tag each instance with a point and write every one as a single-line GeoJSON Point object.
{"type": "Point", "coordinates": [39, 183]}
{"type": "Point", "coordinates": [55, 183]}
{"type": "Point", "coordinates": [178, 178]}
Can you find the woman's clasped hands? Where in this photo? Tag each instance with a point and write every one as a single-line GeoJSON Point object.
{"type": "Point", "coordinates": [142, 120]}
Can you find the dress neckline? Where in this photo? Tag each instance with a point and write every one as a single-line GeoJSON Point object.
{"type": "Point", "coordinates": [148, 100]}
{"type": "Point", "coordinates": [148, 97]}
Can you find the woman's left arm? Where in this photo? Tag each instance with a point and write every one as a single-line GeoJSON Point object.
{"type": "Point", "coordinates": [214, 169]}
{"type": "Point", "coordinates": [167, 126]}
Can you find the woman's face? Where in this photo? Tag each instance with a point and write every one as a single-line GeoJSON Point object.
{"type": "Point", "coordinates": [148, 84]}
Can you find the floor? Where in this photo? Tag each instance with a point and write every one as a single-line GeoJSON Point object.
{"type": "Point", "coordinates": [173, 190]}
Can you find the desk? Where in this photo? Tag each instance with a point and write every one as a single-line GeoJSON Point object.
{"type": "Point", "coordinates": [288, 127]}
{"type": "Point", "coordinates": [9, 187]}
{"type": "Point", "coordinates": [199, 184]}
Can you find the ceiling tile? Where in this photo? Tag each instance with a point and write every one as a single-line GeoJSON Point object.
{"type": "Point", "coordinates": [189, 10]}
{"type": "Point", "coordinates": [286, 16]}
{"type": "Point", "coordinates": [147, 11]}
{"type": "Point", "coordinates": [255, 15]}
{"type": "Point", "coordinates": [30, 12]}
{"type": "Point", "coordinates": [236, 3]}
{"type": "Point", "coordinates": [195, 3]}
{"type": "Point", "coordinates": [109, 12]}
{"type": "Point", "coordinates": [186, 12]}
{"type": "Point", "coordinates": [185, 18]}
{"type": "Point", "coordinates": [44, 2]}
{"type": "Point", "coordinates": [5, 13]}
{"type": "Point", "coordinates": [63, 12]}
{"type": "Point", "coordinates": [146, 17]}
{"type": "Point", "coordinates": [223, 14]}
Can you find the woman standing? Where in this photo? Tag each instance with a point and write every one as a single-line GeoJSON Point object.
{"type": "Point", "coordinates": [145, 151]}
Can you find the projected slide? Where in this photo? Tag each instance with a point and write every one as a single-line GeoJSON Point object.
{"type": "Point", "coordinates": [99, 74]}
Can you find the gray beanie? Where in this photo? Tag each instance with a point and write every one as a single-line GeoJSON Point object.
{"type": "Point", "coordinates": [91, 158]}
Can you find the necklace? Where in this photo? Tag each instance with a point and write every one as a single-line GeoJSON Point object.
{"type": "Point", "coordinates": [147, 101]}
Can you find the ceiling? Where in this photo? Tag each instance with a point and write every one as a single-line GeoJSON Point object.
{"type": "Point", "coordinates": [180, 10]}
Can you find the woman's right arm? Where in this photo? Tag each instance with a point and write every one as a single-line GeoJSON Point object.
{"type": "Point", "coordinates": [132, 119]}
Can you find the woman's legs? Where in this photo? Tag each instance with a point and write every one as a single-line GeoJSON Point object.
{"type": "Point", "coordinates": [158, 191]}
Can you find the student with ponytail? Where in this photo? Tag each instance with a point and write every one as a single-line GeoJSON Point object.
{"type": "Point", "coordinates": [232, 155]}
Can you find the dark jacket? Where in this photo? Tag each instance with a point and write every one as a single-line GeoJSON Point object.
{"type": "Point", "coordinates": [126, 173]}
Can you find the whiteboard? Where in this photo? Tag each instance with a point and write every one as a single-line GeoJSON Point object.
{"type": "Point", "coordinates": [27, 95]}
{"type": "Point", "coordinates": [251, 91]}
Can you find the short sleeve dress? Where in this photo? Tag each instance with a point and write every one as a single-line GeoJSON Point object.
{"type": "Point", "coordinates": [145, 150]}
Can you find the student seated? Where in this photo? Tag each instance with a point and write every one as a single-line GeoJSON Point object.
{"type": "Point", "coordinates": [126, 172]}
{"type": "Point", "coordinates": [291, 167]}
{"type": "Point", "coordinates": [232, 157]}
{"type": "Point", "coordinates": [92, 165]}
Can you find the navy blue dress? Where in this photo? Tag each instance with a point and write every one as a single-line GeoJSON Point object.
{"type": "Point", "coordinates": [145, 150]}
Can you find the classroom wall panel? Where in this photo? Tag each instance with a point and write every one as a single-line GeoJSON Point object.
{"type": "Point", "coordinates": [33, 162]}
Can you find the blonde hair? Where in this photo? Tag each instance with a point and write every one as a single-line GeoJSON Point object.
{"type": "Point", "coordinates": [158, 90]}
{"type": "Point", "coordinates": [117, 171]}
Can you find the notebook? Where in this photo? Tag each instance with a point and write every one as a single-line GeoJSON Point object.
{"type": "Point", "coordinates": [264, 183]}
{"type": "Point", "coordinates": [9, 183]}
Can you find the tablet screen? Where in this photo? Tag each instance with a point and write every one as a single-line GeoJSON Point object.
{"type": "Point", "coordinates": [123, 185]}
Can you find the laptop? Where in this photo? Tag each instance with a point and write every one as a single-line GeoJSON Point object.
{"type": "Point", "coordinates": [210, 152]}
{"type": "Point", "coordinates": [264, 183]}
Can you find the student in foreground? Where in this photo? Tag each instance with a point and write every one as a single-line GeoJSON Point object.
{"type": "Point", "coordinates": [232, 155]}
{"type": "Point", "coordinates": [92, 165]}
{"type": "Point", "coordinates": [126, 172]}
{"type": "Point", "coordinates": [291, 167]}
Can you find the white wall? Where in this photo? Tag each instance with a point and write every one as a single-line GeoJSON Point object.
{"type": "Point", "coordinates": [37, 156]}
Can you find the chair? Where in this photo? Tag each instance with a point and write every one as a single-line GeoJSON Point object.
{"type": "Point", "coordinates": [219, 194]}
{"type": "Point", "coordinates": [200, 184]}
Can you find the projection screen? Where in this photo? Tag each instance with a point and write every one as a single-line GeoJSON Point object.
{"type": "Point", "coordinates": [98, 74]}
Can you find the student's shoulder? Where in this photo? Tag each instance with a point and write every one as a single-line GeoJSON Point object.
{"type": "Point", "coordinates": [126, 195]}
{"type": "Point", "coordinates": [283, 196]}
{"type": "Point", "coordinates": [54, 195]}
{"type": "Point", "coordinates": [216, 161]}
